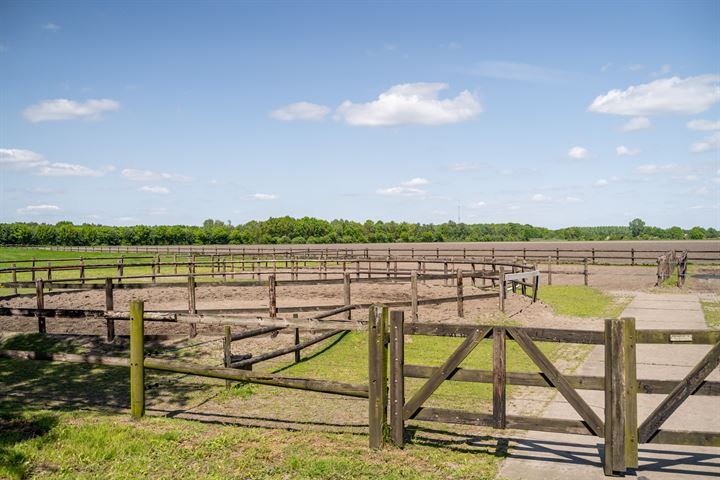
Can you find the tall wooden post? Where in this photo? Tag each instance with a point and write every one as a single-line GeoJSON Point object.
{"type": "Point", "coordinates": [397, 377]}
{"type": "Point", "coordinates": [614, 461]}
{"type": "Point", "coordinates": [501, 282]}
{"type": "Point", "coordinates": [82, 271]}
{"type": "Point", "coordinates": [14, 277]}
{"type": "Point", "coordinates": [499, 378]}
{"type": "Point", "coordinates": [40, 296]}
{"type": "Point", "coordinates": [227, 353]}
{"type": "Point", "coordinates": [109, 307]}
{"type": "Point", "coordinates": [632, 256]}
{"type": "Point", "coordinates": [413, 296]}
{"type": "Point", "coordinates": [549, 271]}
{"type": "Point", "coordinates": [192, 309]}
{"type": "Point", "coordinates": [272, 291]}
{"type": "Point", "coordinates": [297, 341]}
{"type": "Point", "coordinates": [346, 295]}
{"type": "Point", "coordinates": [137, 359]}
{"type": "Point", "coordinates": [175, 263]}
{"type": "Point", "coordinates": [32, 274]}
{"type": "Point", "coordinates": [585, 271]}
{"type": "Point", "coordinates": [120, 269]}
{"type": "Point", "coordinates": [445, 272]}
{"type": "Point", "coordinates": [631, 418]}
{"type": "Point", "coordinates": [377, 374]}
{"type": "Point", "coordinates": [460, 305]}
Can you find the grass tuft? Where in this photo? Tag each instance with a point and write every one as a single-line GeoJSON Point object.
{"type": "Point", "coordinates": [582, 301]}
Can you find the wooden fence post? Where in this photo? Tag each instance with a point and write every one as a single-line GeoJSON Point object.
{"type": "Point", "coordinates": [120, 270]}
{"type": "Point", "coordinates": [109, 307]}
{"type": "Point", "coordinates": [49, 275]}
{"type": "Point", "coordinates": [397, 377]}
{"type": "Point", "coordinates": [175, 263]}
{"type": "Point", "coordinates": [227, 354]}
{"type": "Point", "coordinates": [297, 341]}
{"type": "Point", "coordinates": [549, 271]}
{"type": "Point", "coordinates": [82, 271]}
{"type": "Point", "coordinates": [413, 296]}
{"type": "Point", "coordinates": [585, 271]}
{"type": "Point", "coordinates": [40, 296]}
{"type": "Point", "coordinates": [631, 419]}
{"type": "Point", "coordinates": [137, 359]}
{"type": "Point", "coordinates": [377, 375]}
{"type": "Point", "coordinates": [445, 272]}
{"type": "Point", "coordinates": [499, 378]}
{"type": "Point", "coordinates": [32, 274]}
{"type": "Point", "coordinates": [632, 256]}
{"type": "Point", "coordinates": [192, 309]}
{"type": "Point", "coordinates": [459, 283]}
{"type": "Point", "coordinates": [14, 277]}
{"type": "Point", "coordinates": [501, 282]}
{"type": "Point", "coordinates": [272, 291]}
{"type": "Point", "coordinates": [346, 295]}
{"type": "Point", "coordinates": [614, 461]}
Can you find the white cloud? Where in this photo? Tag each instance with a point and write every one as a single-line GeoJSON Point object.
{"type": "Point", "coordinates": [650, 168]}
{"type": "Point", "coordinates": [710, 143]}
{"type": "Point", "coordinates": [539, 197]}
{"type": "Point", "coordinates": [636, 123]}
{"type": "Point", "coordinates": [477, 205]}
{"type": "Point", "coordinates": [623, 151]}
{"type": "Point", "coordinates": [703, 125]}
{"type": "Point", "coordinates": [416, 182]}
{"type": "Point", "coordinates": [36, 164]}
{"type": "Point", "coordinates": [51, 26]}
{"type": "Point", "coordinates": [263, 196]}
{"type": "Point", "coordinates": [578, 153]}
{"type": "Point", "coordinates": [300, 111]}
{"type": "Point", "coordinates": [21, 159]}
{"type": "Point", "coordinates": [606, 67]}
{"type": "Point", "coordinates": [63, 109]}
{"type": "Point", "coordinates": [688, 96]}
{"type": "Point", "coordinates": [571, 200]}
{"type": "Point", "coordinates": [601, 182]}
{"type": "Point", "coordinates": [401, 191]}
{"type": "Point", "coordinates": [38, 209]}
{"type": "Point", "coordinates": [148, 175]}
{"type": "Point", "coordinates": [411, 103]}
{"type": "Point", "coordinates": [516, 71]}
{"type": "Point", "coordinates": [70, 170]}
{"type": "Point", "coordinates": [154, 189]}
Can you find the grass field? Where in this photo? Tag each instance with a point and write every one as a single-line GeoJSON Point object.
{"type": "Point", "coordinates": [103, 442]}
{"type": "Point", "coordinates": [582, 301]}
{"type": "Point", "coordinates": [711, 309]}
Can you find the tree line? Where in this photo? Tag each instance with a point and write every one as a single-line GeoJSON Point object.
{"type": "Point", "coordinates": [286, 230]}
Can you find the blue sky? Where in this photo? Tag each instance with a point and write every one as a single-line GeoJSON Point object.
{"type": "Point", "coordinates": [549, 113]}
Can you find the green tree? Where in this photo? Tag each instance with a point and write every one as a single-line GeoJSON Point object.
{"type": "Point", "coordinates": [636, 227]}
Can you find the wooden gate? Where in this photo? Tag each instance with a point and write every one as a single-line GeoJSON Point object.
{"type": "Point", "coordinates": [619, 428]}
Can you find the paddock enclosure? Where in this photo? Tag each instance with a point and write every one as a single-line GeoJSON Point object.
{"type": "Point", "coordinates": [389, 297]}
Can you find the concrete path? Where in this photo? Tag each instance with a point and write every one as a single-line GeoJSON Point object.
{"type": "Point", "coordinates": [545, 456]}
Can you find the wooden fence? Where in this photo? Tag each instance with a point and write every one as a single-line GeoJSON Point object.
{"type": "Point", "coordinates": [668, 262]}
{"type": "Point", "coordinates": [389, 410]}
{"type": "Point", "coordinates": [629, 256]}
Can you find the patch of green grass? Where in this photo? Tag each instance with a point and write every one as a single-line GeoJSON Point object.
{"type": "Point", "coordinates": [711, 309]}
{"type": "Point", "coordinates": [241, 390]}
{"type": "Point", "coordinates": [581, 301]}
{"type": "Point", "coordinates": [347, 361]}
{"type": "Point", "coordinates": [89, 445]}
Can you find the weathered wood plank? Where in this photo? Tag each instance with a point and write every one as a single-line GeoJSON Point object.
{"type": "Point", "coordinates": [444, 371]}
{"type": "Point", "coordinates": [397, 378]}
{"type": "Point", "coordinates": [679, 394]}
{"type": "Point", "coordinates": [499, 378]}
{"type": "Point", "coordinates": [557, 379]}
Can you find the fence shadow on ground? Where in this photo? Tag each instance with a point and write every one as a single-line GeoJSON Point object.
{"type": "Point", "coordinates": [655, 458]}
